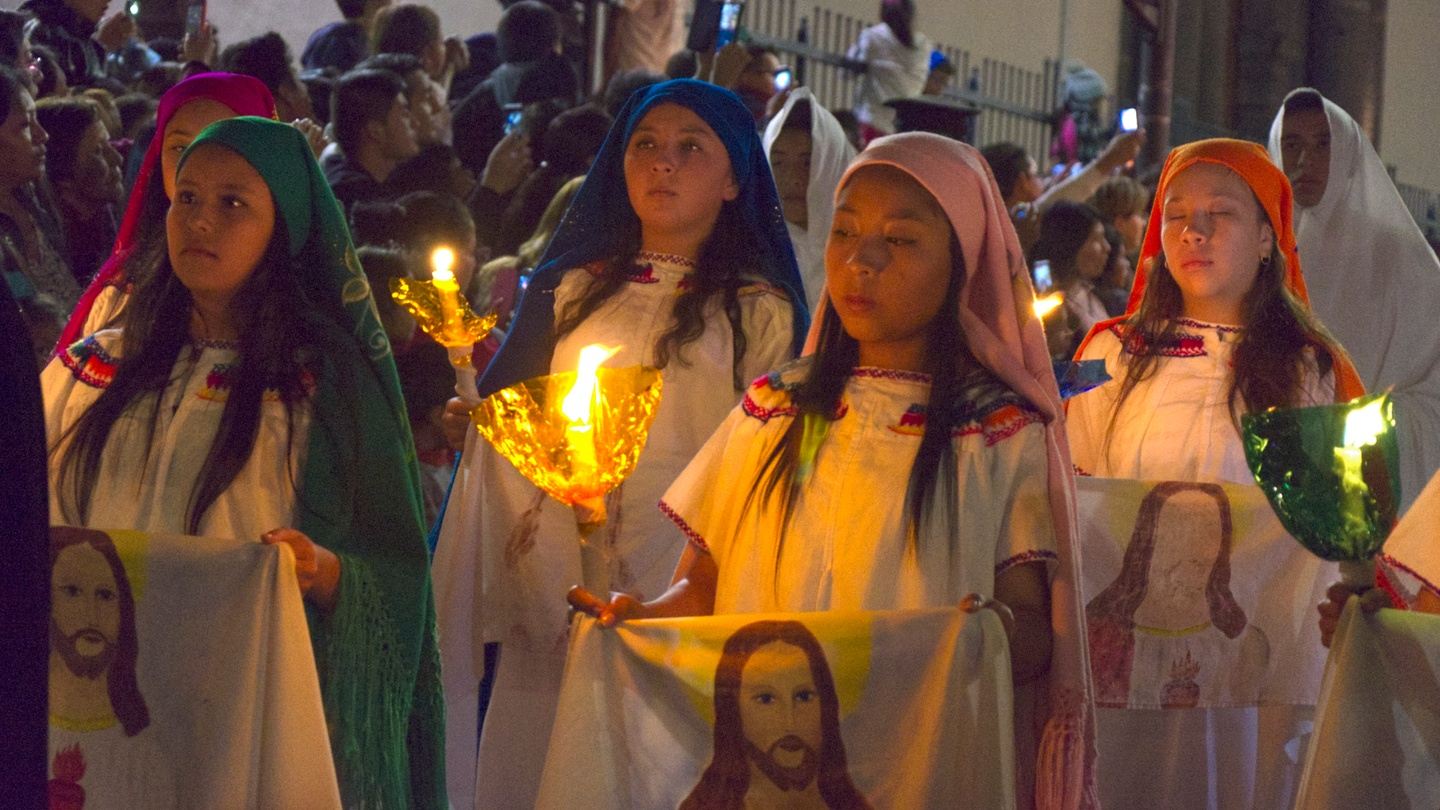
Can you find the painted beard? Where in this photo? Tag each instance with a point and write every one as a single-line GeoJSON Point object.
{"type": "Point", "coordinates": [798, 777]}
{"type": "Point", "coordinates": [89, 667]}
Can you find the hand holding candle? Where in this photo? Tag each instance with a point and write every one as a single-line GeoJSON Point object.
{"type": "Point", "coordinates": [443, 313]}
{"type": "Point", "coordinates": [576, 435]}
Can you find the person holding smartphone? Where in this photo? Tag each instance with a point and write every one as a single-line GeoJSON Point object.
{"type": "Point", "coordinates": [80, 35]}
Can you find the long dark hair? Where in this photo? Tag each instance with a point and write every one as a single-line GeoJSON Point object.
{"type": "Point", "coordinates": [727, 778]}
{"type": "Point", "coordinates": [719, 273]}
{"type": "Point", "coordinates": [900, 16]}
{"type": "Point", "coordinates": [817, 397]}
{"type": "Point", "coordinates": [1270, 360]}
{"type": "Point", "coordinates": [280, 340]}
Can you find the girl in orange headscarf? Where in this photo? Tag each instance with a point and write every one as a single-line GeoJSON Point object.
{"type": "Point", "coordinates": [1217, 326]}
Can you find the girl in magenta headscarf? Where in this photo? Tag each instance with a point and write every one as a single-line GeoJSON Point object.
{"type": "Point", "coordinates": [185, 109]}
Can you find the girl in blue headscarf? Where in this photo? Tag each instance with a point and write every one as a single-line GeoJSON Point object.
{"type": "Point", "coordinates": [675, 250]}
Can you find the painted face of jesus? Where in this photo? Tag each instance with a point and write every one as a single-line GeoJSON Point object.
{"type": "Point", "coordinates": [84, 611]}
{"type": "Point", "coordinates": [780, 714]}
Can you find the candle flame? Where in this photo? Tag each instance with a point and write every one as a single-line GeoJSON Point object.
{"type": "Point", "coordinates": [1048, 304]}
{"type": "Point", "coordinates": [1366, 424]}
{"type": "Point", "coordinates": [441, 260]}
{"type": "Point", "coordinates": [576, 405]}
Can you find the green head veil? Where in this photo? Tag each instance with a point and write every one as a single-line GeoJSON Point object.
{"type": "Point", "coordinates": [359, 496]}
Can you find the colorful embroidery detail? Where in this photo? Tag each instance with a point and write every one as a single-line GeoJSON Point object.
{"type": "Point", "coordinates": [218, 383]}
{"type": "Point", "coordinates": [912, 422]}
{"type": "Point", "coordinates": [690, 534]}
{"type": "Point", "coordinates": [755, 288]}
{"type": "Point", "coordinates": [1024, 557]}
{"type": "Point", "coordinates": [891, 374]}
{"type": "Point", "coordinates": [664, 258]}
{"type": "Point", "coordinates": [90, 363]}
{"type": "Point", "coordinates": [1179, 345]}
{"type": "Point", "coordinates": [1194, 324]}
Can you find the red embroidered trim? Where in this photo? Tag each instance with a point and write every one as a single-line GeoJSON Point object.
{"type": "Point", "coordinates": [1081, 472]}
{"type": "Point", "coordinates": [667, 258]}
{"type": "Point", "coordinates": [1006, 422]}
{"type": "Point", "coordinates": [1024, 557]}
{"type": "Point", "coordinates": [755, 410]}
{"type": "Point", "coordinates": [690, 534]}
{"type": "Point", "coordinates": [891, 374]}
{"type": "Point", "coordinates": [1182, 345]}
{"type": "Point", "coordinates": [1389, 587]}
{"type": "Point", "coordinates": [1203, 325]}
{"type": "Point", "coordinates": [89, 363]}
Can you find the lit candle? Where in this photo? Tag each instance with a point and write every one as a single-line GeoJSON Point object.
{"type": "Point", "coordinates": [579, 410]}
{"type": "Point", "coordinates": [1044, 306]}
{"type": "Point", "coordinates": [441, 260]}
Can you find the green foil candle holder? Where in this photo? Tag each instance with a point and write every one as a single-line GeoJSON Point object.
{"type": "Point", "coordinates": [1331, 473]}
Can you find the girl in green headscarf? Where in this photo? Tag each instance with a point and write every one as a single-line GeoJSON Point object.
{"type": "Point", "coordinates": [250, 386]}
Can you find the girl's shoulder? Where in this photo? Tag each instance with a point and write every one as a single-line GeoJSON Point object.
{"type": "Point", "coordinates": [92, 359]}
{"type": "Point", "coordinates": [988, 407]}
{"type": "Point", "coordinates": [772, 394]}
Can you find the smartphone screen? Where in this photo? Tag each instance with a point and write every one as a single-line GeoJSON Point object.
{"type": "Point", "coordinates": [1043, 280]}
{"type": "Point", "coordinates": [784, 77]}
{"type": "Point", "coordinates": [512, 121]}
{"type": "Point", "coordinates": [1129, 119]}
{"type": "Point", "coordinates": [729, 22]}
{"type": "Point", "coordinates": [194, 17]}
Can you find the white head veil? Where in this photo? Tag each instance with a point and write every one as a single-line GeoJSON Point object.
{"type": "Point", "coordinates": [830, 153]}
{"type": "Point", "coordinates": [1375, 283]}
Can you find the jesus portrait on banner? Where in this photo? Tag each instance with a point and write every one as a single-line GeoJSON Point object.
{"type": "Point", "coordinates": [777, 726]}
{"type": "Point", "coordinates": [1168, 632]}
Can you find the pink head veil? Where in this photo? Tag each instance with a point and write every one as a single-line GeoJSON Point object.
{"type": "Point", "coordinates": [1004, 335]}
{"type": "Point", "coordinates": [243, 94]}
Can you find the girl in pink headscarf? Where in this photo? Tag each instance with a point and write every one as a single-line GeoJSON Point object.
{"type": "Point", "coordinates": [184, 110]}
{"type": "Point", "coordinates": [925, 365]}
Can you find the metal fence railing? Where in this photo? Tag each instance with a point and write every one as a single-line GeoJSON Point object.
{"type": "Point", "coordinates": [1015, 102]}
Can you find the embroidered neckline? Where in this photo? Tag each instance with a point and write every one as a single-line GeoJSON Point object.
{"type": "Point", "coordinates": [1218, 327]}
{"type": "Point", "coordinates": [873, 372]}
{"type": "Point", "coordinates": [84, 725]}
{"type": "Point", "coordinates": [224, 345]}
{"type": "Point", "coordinates": [1165, 632]}
{"type": "Point", "coordinates": [665, 258]}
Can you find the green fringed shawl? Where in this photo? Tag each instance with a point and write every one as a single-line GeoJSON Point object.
{"type": "Point", "coordinates": [359, 496]}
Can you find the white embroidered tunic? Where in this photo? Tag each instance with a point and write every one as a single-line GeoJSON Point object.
{"type": "Point", "coordinates": [150, 491]}
{"type": "Point", "coordinates": [507, 553]}
{"type": "Point", "coordinates": [1176, 425]}
{"type": "Point", "coordinates": [846, 545]}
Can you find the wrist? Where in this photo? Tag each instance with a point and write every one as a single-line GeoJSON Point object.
{"type": "Point", "coordinates": [326, 588]}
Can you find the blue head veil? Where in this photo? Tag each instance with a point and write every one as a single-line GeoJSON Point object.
{"type": "Point", "coordinates": [596, 225]}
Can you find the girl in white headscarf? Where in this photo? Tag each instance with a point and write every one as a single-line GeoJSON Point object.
{"type": "Point", "coordinates": [808, 153]}
{"type": "Point", "coordinates": [1373, 279]}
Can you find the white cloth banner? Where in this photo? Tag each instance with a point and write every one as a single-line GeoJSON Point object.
{"type": "Point", "coordinates": [878, 709]}
{"type": "Point", "coordinates": [181, 675]}
{"type": "Point", "coordinates": [1196, 597]}
{"type": "Point", "coordinates": [1377, 729]}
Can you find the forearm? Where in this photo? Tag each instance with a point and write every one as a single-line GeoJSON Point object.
{"type": "Point", "coordinates": [692, 593]}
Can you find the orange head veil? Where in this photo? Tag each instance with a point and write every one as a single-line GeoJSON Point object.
{"type": "Point", "coordinates": [1272, 190]}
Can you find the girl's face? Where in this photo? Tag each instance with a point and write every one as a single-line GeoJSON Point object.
{"type": "Point", "coordinates": [183, 126]}
{"type": "Point", "coordinates": [1214, 235]}
{"type": "Point", "coordinates": [790, 163]}
{"type": "Point", "coordinates": [677, 172]}
{"type": "Point", "coordinates": [1090, 260]}
{"type": "Point", "coordinates": [22, 143]}
{"type": "Point", "coordinates": [219, 224]}
{"type": "Point", "coordinates": [97, 167]}
{"type": "Point", "coordinates": [888, 262]}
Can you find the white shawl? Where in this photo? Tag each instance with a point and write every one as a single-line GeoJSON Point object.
{"type": "Point", "coordinates": [1375, 283]}
{"type": "Point", "coordinates": [830, 153]}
